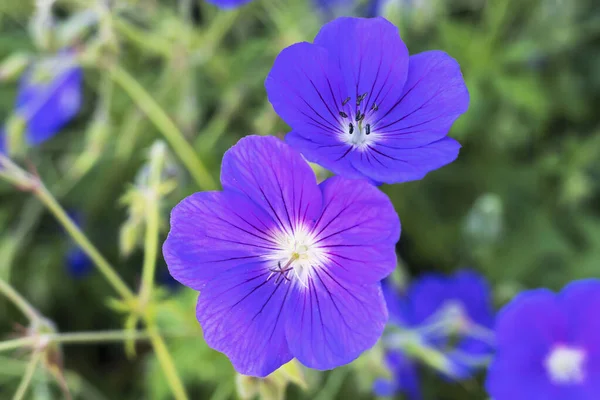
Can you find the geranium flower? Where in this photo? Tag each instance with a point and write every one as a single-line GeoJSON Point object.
{"type": "Point", "coordinates": [361, 107]}
{"type": "Point", "coordinates": [548, 345]}
{"type": "Point", "coordinates": [439, 310]}
{"type": "Point", "coordinates": [285, 267]}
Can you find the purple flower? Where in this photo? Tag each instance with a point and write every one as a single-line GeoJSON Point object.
{"type": "Point", "coordinates": [460, 302]}
{"type": "Point", "coordinates": [286, 267]}
{"type": "Point", "coordinates": [228, 3]}
{"type": "Point", "coordinates": [361, 107]}
{"type": "Point", "coordinates": [49, 97]}
{"type": "Point", "coordinates": [548, 345]}
{"type": "Point", "coordinates": [439, 308]}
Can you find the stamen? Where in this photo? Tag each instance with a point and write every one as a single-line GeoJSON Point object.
{"type": "Point", "coordinates": [368, 129]}
{"type": "Point", "coordinates": [361, 98]}
{"type": "Point", "coordinates": [359, 116]}
{"type": "Point", "coordinates": [343, 114]}
{"type": "Point", "coordinates": [374, 107]}
{"type": "Point", "coordinates": [351, 128]}
{"type": "Point", "coordinates": [345, 101]}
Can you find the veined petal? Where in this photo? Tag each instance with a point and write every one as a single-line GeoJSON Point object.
{"type": "Point", "coordinates": [358, 230]}
{"type": "Point", "coordinates": [305, 89]}
{"type": "Point", "coordinates": [331, 322]}
{"type": "Point", "coordinates": [433, 97]}
{"type": "Point", "coordinates": [241, 314]}
{"type": "Point", "coordinates": [384, 162]}
{"type": "Point", "coordinates": [372, 57]}
{"type": "Point", "coordinates": [212, 232]}
{"type": "Point", "coordinates": [328, 152]}
{"type": "Point", "coordinates": [275, 177]}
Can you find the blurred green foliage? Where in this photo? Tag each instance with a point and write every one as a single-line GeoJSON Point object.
{"type": "Point", "coordinates": [520, 204]}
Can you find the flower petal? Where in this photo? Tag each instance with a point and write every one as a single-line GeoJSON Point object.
{"type": "Point", "coordinates": [358, 230]}
{"type": "Point", "coordinates": [383, 162]}
{"type": "Point", "coordinates": [305, 89]}
{"type": "Point", "coordinates": [47, 107]}
{"type": "Point", "coordinates": [433, 97]}
{"type": "Point", "coordinates": [274, 176]}
{"type": "Point", "coordinates": [372, 57]}
{"type": "Point", "coordinates": [526, 329]}
{"type": "Point", "coordinates": [581, 302]}
{"type": "Point", "coordinates": [212, 232]}
{"type": "Point", "coordinates": [474, 292]}
{"type": "Point", "coordinates": [406, 374]}
{"type": "Point", "coordinates": [328, 152]}
{"type": "Point", "coordinates": [397, 304]}
{"type": "Point", "coordinates": [241, 314]}
{"type": "Point", "coordinates": [331, 322]}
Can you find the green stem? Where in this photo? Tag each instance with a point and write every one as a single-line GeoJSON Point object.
{"type": "Point", "coordinates": [97, 337]}
{"type": "Point", "coordinates": [24, 385]}
{"type": "Point", "coordinates": [157, 161]}
{"type": "Point", "coordinates": [165, 125]}
{"type": "Point", "coordinates": [103, 266]}
{"type": "Point", "coordinates": [17, 343]}
{"type": "Point", "coordinates": [166, 363]}
{"type": "Point", "coordinates": [7, 290]}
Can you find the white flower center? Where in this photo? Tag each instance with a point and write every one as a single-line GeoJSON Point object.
{"type": "Point", "coordinates": [565, 365]}
{"type": "Point", "coordinates": [356, 122]}
{"type": "Point", "coordinates": [297, 255]}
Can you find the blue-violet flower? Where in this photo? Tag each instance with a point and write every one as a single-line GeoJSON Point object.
{"type": "Point", "coordinates": [286, 267]}
{"type": "Point", "coordinates": [361, 107]}
{"type": "Point", "coordinates": [548, 345]}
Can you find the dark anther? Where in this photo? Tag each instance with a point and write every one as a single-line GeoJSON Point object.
{"type": "Point", "coordinates": [351, 129]}
{"type": "Point", "coordinates": [345, 101]}
{"type": "Point", "coordinates": [368, 129]}
{"type": "Point", "coordinates": [343, 114]}
{"type": "Point", "coordinates": [359, 116]}
{"type": "Point", "coordinates": [374, 107]}
{"type": "Point", "coordinates": [361, 98]}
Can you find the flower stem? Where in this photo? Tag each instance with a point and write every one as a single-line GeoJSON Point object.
{"type": "Point", "coordinates": [165, 125]}
{"type": "Point", "coordinates": [103, 266]}
{"type": "Point", "coordinates": [7, 290]}
{"type": "Point", "coordinates": [24, 385]}
{"type": "Point", "coordinates": [157, 161]}
{"type": "Point", "coordinates": [166, 363]}
{"type": "Point", "coordinates": [17, 343]}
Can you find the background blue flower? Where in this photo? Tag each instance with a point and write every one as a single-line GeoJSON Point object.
{"type": "Point", "coordinates": [49, 96]}
{"type": "Point", "coordinates": [228, 3]}
{"type": "Point", "coordinates": [548, 345]}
